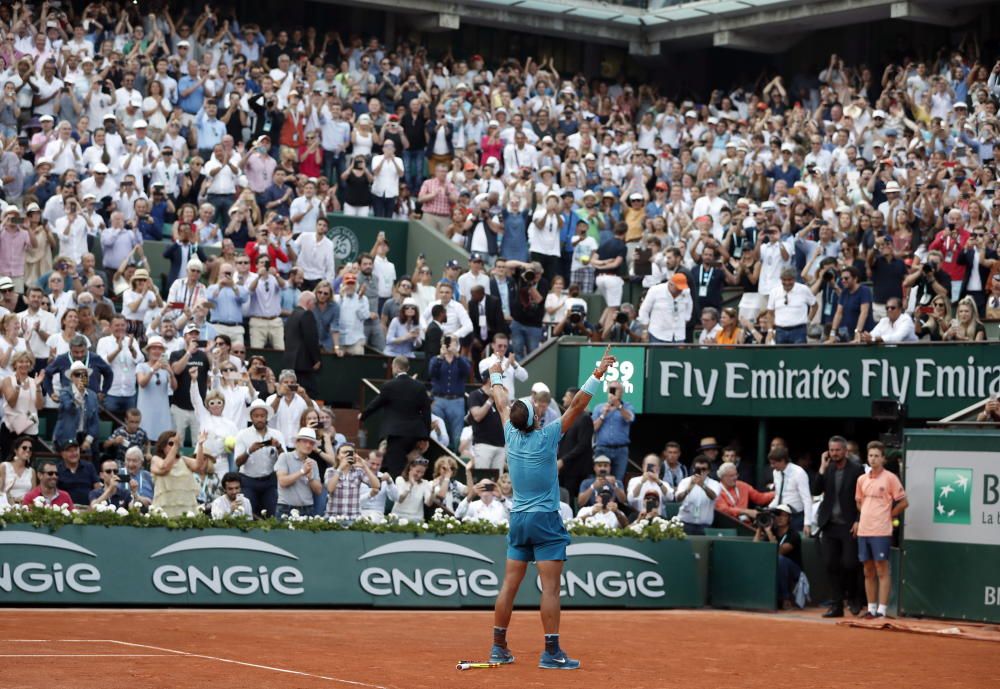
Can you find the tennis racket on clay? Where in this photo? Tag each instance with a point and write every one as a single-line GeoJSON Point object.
{"type": "Point", "coordinates": [473, 665]}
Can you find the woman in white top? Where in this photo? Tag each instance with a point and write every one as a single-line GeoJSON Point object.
{"type": "Point", "coordinates": [237, 391]}
{"type": "Point", "coordinates": [16, 476]}
{"type": "Point", "coordinates": [58, 343]}
{"type": "Point", "coordinates": [424, 290]}
{"type": "Point", "coordinates": [415, 492]}
{"type": "Point", "coordinates": [447, 491]}
{"type": "Point", "coordinates": [11, 342]}
{"type": "Point", "coordinates": [156, 108]}
{"type": "Point", "coordinates": [215, 425]}
{"type": "Point", "coordinates": [555, 302]}
{"type": "Point", "coordinates": [138, 300]}
{"type": "Point", "coordinates": [363, 137]}
{"type": "Point", "coordinates": [22, 396]}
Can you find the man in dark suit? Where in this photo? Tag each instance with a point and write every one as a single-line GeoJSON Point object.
{"type": "Point", "coordinates": [837, 521]}
{"type": "Point", "coordinates": [182, 251]}
{"type": "Point", "coordinates": [576, 450]}
{"type": "Point", "coordinates": [974, 254]}
{"type": "Point", "coordinates": [406, 415]}
{"type": "Point", "coordinates": [302, 353]}
{"type": "Point", "coordinates": [434, 333]}
{"type": "Point", "coordinates": [486, 315]}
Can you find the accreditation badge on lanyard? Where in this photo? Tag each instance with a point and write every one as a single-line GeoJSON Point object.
{"type": "Point", "coordinates": [706, 278]}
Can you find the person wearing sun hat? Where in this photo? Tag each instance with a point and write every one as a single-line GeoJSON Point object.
{"type": "Point", "coordinates": [666, 310]}
{"type": "Point", "coordinates": [298, 476]}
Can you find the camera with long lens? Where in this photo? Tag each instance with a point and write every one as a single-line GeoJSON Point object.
{"type": "Point", "coordinates": [529, 275]}
{"type": "Point", "coordinates": [764, 520]}
{"type": "Point", "coordinates": [829, 275]}
{"type": "Point", "coordinates": [621, 317]}
{"type": "Point", "coordinates": [576, 314]}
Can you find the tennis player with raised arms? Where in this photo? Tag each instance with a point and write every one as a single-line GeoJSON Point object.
{"type": "Point", "coordinates": [536, 530]}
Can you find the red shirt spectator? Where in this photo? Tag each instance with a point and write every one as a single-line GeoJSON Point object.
{"type": "Point", "coordinates": [950, 243]}
{"type": "Point", "coordinates": [252, 250]}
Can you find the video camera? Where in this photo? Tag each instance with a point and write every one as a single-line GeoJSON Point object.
{"type": "Point", "coordinates": [765, 519]}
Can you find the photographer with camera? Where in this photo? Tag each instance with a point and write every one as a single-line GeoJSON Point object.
{"type": "Point", "coordinates": [625, 328]}
{"type": "Point", "coordinates": [951, 242]}
{"type": "Point", "coordinates": [490, 505]}
{"type": "Point", "coordinates": [736, 496]}
{"type": "Point", "coordinates": [232, 502]}
{"type": "Point", "coordinates": [930, 280]}
{"type": "Point", "coordinates": [651, 505]}
{"type": "Point", "coordinates": [115, 490]}
{"type": "Point", "coordinates": [527, 307]}
{"type": "Point", "coordinates": [612, 425]}
{"type": "Point", "coordinates": [344, 483]}
{"type": "Point", "coordinates": [775, 525]}
{"type": "Point", "coordinates": [604, 511]}
{"type": "Point", "coordinates": [256, 451]}
{"type": "Point", "coordinates": [649, 482]}
{"type": "Point", "coordinates": [697, 494]}
{"type": "Point", "coordinates": [602, 478]}
{"type": "Point", "coordinates": [575, 323]}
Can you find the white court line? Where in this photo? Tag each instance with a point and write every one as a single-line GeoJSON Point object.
{"type": "Point", "coordinates": [84, 655]}
{"type": "Point", "coordinates": [200, 655]}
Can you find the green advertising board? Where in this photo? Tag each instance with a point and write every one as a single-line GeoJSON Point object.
{"type": "Point", "coordinates": [951, 547]}
{"type": "Point", "coordinates": [629, 370]}
{"type": "Point", "coordinates": [92, 565]}
{"type": "Point", "coordinates": [352, 236]}
{"type": "Point", "coordinates": [833, 381]}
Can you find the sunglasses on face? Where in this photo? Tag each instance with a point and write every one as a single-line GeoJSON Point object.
{"type": "Point", "coordinates": [892, 308]}
{"type": "Point", "coordinates": [49, 473]}
{"type": "Point", "coordinates": [26, 448]}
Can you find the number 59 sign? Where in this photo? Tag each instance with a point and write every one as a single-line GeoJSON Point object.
{"type": "Point", "coordinates": [629, 371]}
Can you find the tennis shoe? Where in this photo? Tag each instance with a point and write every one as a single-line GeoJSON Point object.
{"type": "Point", "coordinates": [557, 661]}
{"type": "Point", "coordinates": [499, 654]}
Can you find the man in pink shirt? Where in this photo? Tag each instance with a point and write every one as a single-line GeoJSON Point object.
{"type": "Point", "coordinates": [14, 243]}
{"type": "Point", "coordinates": [881, 498]}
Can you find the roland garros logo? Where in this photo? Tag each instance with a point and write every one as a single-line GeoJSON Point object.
{"type": "Point", "coordinates": [345, 244]}
{"type": "Point", "coordinates": [239, 580]}
{"type": "Point", "coordinates": [461, 574]}
{"type": "Point", "coordinates": [44, 577]}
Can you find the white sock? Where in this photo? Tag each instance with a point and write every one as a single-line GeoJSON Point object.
{"type": "Point", "coordinates": [872, 608]}
{"type": "Point", "coordinates": [881, 609]}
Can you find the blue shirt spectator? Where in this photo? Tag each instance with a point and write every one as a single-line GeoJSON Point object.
{"type": "Point", "coordinates": [227, 303]}
{"type": "Point", "coordinates": [192, 102]}
{"type": "Point", "coordinates": [614, 432]}
{"type": "Point", "coordinates": [327, 321]}
{"type": "Point", "coordinates": [210, 130]}
{"type": "Point", "coordinates": [448, 377]}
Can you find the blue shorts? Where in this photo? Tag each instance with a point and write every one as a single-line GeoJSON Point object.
{"type": "Point", "coordinates": [874, 547]}
{"type": "Point", "coordinates": [536, 537]}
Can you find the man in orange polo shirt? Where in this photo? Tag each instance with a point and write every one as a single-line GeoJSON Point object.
{"type": "Point", "coordinates": [881, 498]}
{"type": "Point", "coordinates": [735, 497]}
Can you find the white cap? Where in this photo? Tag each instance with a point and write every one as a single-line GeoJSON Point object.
{"type": "Point", "coordinates": [959, 104]}
{"type": "Point", "coordinates": [769, 206]}
{"type": "Point", "coordinates": [46, 118]}
{"type": "Point", "coordinates": [492, 123]}
{"type": "Point", "coordinates": [788, 147]}
{"type": "Point", "coordinates": [259, 404]}
{"type": "Point", "coordinates": [156, 341]}
{"type": "Point", "coordinates": [878, 113]}
{"type": "Point", "coordinates": [539, 387]}
{"type": "Point", "coordinates": [892, 186]}
{"type": "Point", "coordinates": [140, 124]}
{"type": "Point", "coordinates": [691, 113]}
{"type": "Point", "coordinates": [748, 223]}
{"type": "Point", "coordinates": [306, 433]}
{"type": "Point", "coordinates": [101, 169]}
{"type": "Point", "coordinates": [492, 161]}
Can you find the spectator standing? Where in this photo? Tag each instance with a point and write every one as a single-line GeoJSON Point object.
{"type": "Point", "coordinates": [301, 343]}
{"type": "Point", "coordinates": [612, 424]}
{"type": "Point", "coordinates": [793, 305]}
{"type": "Point", "coordinates": [881, 499]}
{"type": "Point", "coordinates": [227, 297]}
{"type": "Point", "coordinates": [22, 399]}
{"type": "Point", "coordinates": [488, 446]}
{"type": "Point", "coordinates": [181, 362]}
{"type": "Point", "coordinates": [348, 483]}
{"type": "Point", "coordinates": [791, 487]}
{"type": "Point", "coordinates": [666, 310]}
{"type": "Point", "coordinates": [437, 196]}
{"type": "Point", "coordinates": [414, 491]}
{"type": "Point", "coordinates": [639, 487]}
{"type": "Point", "coordinates": [256, 453]}
{"type": "Point", "coordinates": [837, 524]}
{"type": "Point", "coordinates": [298, 476]}
{"type": "Point", "coordinates": [78, 413]}
{"type": "Point", "coordinates": [576, 451]}
{"type": "Point", "coordinates": [387, 170]}
{"type": "Point", "coordinates": [854, 308]}
{"type": "Point", "coordinates": [355, 310]}
{"type": "Point", "coordinates": [407, 414]}
{"type": "Point", "coordinates": [122, 353]}
{"type": "Point", "coordinates": [176, 490]}
{"type": "Point", "coordinates": [448, 372]}
{"type": "Point", "coordinates": [697, 494]}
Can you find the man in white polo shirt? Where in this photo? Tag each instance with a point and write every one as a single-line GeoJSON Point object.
{"type": "Point", "coordinates": [793, 305]}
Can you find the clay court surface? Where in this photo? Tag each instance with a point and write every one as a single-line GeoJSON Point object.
{"type": "Point", "coordinates": [97, 649]}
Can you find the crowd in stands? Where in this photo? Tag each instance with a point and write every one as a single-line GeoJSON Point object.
{"type": "Point", "coordinates": [848, 206]}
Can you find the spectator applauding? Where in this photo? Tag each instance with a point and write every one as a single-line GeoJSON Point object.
{"type": "Point", "coordinates": [895, 327]}
{"type": "Point", "coordinates": [47, 489]}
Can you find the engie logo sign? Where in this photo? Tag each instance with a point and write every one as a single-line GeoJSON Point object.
{"type": "Point", "coordinates": [582, 581]}
{"type": "Point", "coordinates": [441, 582]}
{"type": "Point", "coordinates": [45, 577]}
{"type": "Point", "coordinates": [618, 572]}
{"type": "Point", "coordinates": [247, 579]}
